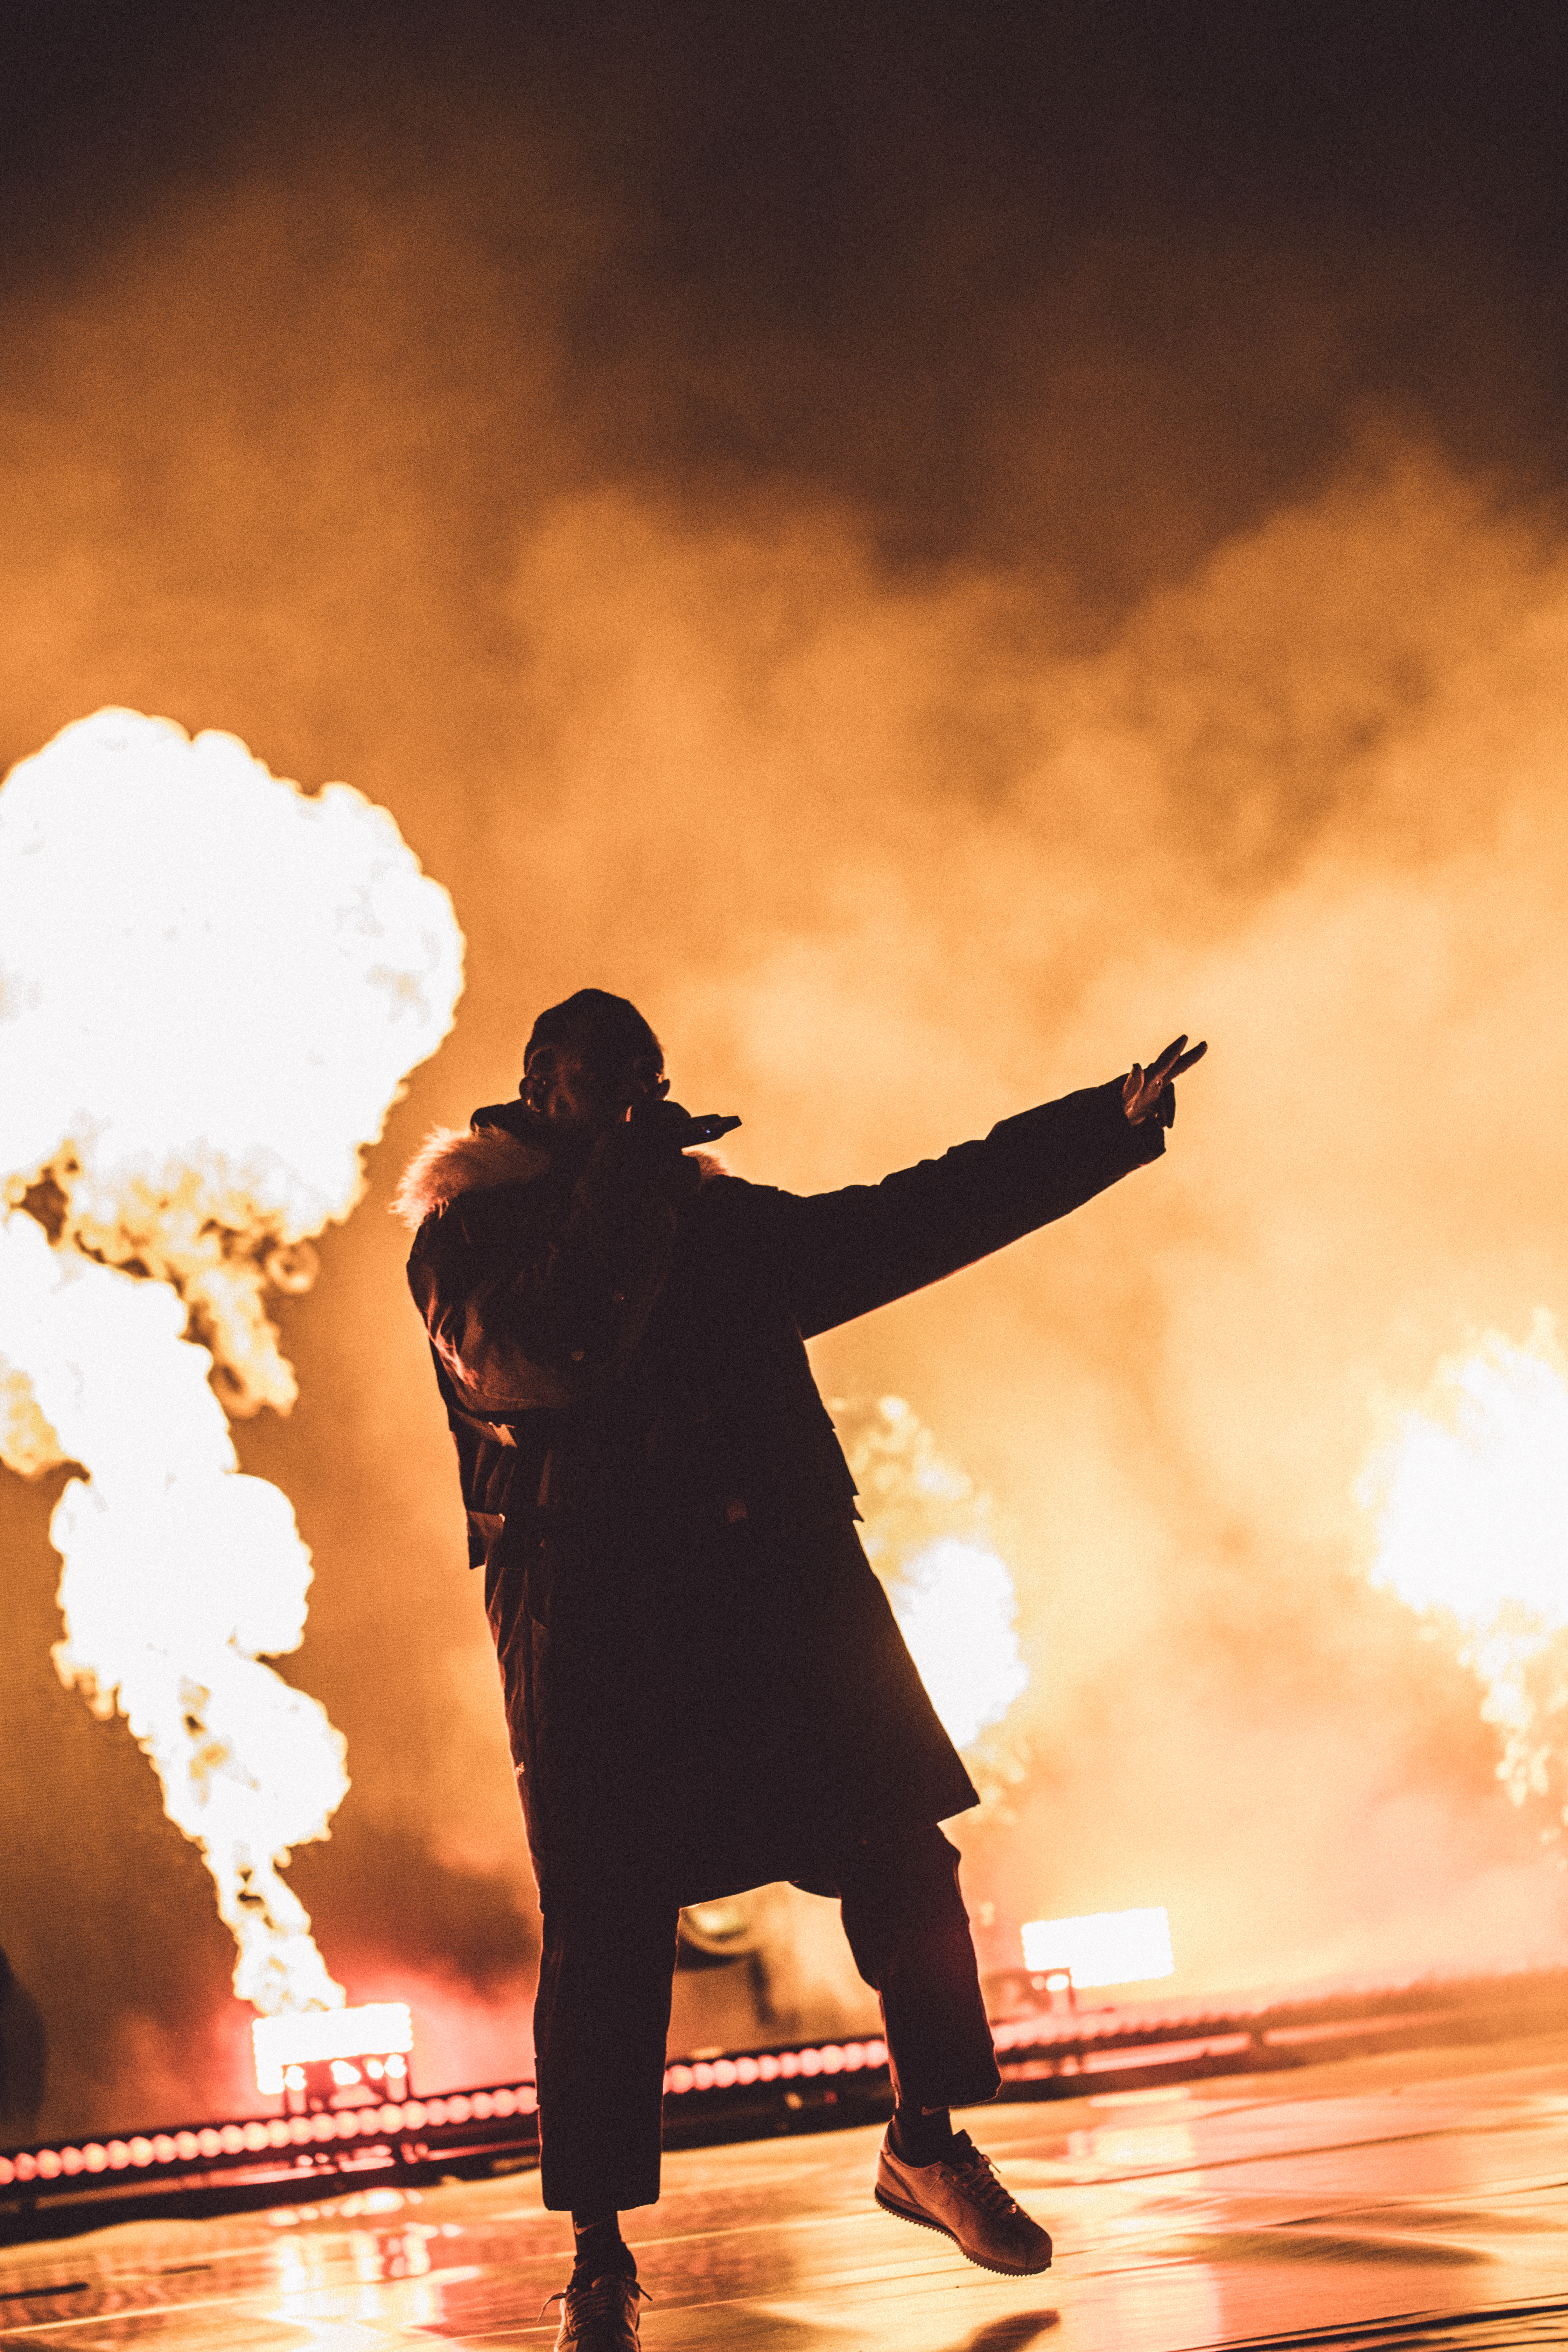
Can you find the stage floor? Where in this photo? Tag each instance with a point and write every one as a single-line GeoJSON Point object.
{"type": "Point", "coordinates": [1418, 2199]}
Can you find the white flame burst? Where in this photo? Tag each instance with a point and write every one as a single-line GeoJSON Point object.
{"type": "Point", "coordinates": [952, 1596]}
{"type": "Point", "coordinates": [212, 986]}
{"type": "Point", "coordinates": [1472, 1499]}
{"type": "Point", "coordinates": [957, 1611]}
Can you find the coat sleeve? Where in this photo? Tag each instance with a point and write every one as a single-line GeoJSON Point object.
{"type": "Point", "coordinates": [535, 1296]}
{"type": "Point", "coordinates": [846, 1253]}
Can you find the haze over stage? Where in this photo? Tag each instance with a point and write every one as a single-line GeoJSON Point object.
{"type": "Point", "coordinates": [1415, 2200]}
{"type": "Point", "coordinates": [924, 546]}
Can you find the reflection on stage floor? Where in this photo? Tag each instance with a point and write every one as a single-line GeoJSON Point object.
{"type": "Point", "coordinates": [1418, 2199]}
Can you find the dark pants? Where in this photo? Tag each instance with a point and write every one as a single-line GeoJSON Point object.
{"type": "Point", "coordinates": [603, 2011]}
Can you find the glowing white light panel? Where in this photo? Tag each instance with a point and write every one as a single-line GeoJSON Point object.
{"type": "Point", "coordinates": [313, 2036]}
{"type": "Point", "coordinates": [1104, 1947]}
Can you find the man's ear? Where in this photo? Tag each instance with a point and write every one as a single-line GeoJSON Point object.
{"type": "Point", "coordinates": [645, 1079]}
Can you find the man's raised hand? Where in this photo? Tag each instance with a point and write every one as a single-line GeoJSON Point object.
{"type": "Point", "coordinates": [1145, 1092]}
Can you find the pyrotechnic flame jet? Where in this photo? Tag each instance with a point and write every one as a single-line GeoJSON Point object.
{"type": "Point", "coordinates": [1472, 1499]}
{"type": "Point", "coordinates": [926, 1535]}
{"type": "Point", "coordinates": [212, 986]}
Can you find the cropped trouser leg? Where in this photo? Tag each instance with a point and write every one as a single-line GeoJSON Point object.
{"type": "Point", "coordinates": [603, 2012]}
{"type": "Point", "coordinates": [910, 1934]}
{"type": "Point", "coordinates": [599, 2025]}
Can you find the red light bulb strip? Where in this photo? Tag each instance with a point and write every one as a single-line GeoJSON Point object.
{"type": "Point", "coordinates": [774, 2066]}
{"type": "Point", "coordinates": [260, 2135]}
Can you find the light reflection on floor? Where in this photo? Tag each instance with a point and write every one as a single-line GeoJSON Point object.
{"type": "Point", "coordinates": [1419, 2200]}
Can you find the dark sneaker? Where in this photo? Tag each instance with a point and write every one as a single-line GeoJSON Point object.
{"type": "Point", "coordinates": [599, 2318]}
{"type": "Point", "coordinates": [961, 2196]}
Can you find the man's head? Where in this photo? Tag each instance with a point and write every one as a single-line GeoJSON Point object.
{"type": "Point", "coordinates": [586, 1059]}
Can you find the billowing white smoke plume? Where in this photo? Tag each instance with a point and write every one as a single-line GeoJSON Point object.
{"type": "Point", "coordinates": [212, 985]}
{"type": "Point", "coordinates": [925, 1533]}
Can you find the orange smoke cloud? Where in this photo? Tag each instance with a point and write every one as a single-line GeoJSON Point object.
{"type": "Point", "coordinates": [886, 851]}
{"type": "Point", "coordinates": [886, 866]}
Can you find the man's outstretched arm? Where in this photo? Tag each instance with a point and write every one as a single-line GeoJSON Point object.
{"type": "Point", "coordinates": [849, 1251]}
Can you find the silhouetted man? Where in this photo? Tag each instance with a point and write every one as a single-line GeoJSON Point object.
{"type": "Point", "coordinates": [704, 1684]}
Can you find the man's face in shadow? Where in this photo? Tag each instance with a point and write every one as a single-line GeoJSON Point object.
{"type": "Point", "coordinates": [575, 1097]}
{"type": "Point", "coordinates": [561, 1088]}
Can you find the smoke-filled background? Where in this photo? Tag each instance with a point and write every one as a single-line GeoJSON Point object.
{"type": "Point", "coordinates": [932, 548]}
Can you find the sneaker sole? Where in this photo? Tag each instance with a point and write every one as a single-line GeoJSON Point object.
{"type": "Point", "coordinates": [924, 2222]}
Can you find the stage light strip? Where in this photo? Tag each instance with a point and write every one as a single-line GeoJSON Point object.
{"type": "Point", "coordinates": [149, 2152]}
{"type": "Point", "coordinates": [774, 2066]}
{"type": "Point", "coordinates": [261, 2137]}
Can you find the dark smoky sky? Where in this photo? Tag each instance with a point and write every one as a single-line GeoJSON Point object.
{"type": "Point", "coordinates": [932, 547]}
{"type": "Point", "coordinates": [1177, 250]}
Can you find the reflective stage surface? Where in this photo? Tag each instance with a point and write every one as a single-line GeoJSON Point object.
{"type": "Point", "coordinates": [1418, 2199]}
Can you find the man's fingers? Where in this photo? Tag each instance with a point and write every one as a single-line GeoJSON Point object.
{"type": "Point", "coordinates": [1161, 1067]}
{"type": "Point", "coordinates": [1173, 1061]}
{"type": "Point", "coordinates": [1143, 1089]}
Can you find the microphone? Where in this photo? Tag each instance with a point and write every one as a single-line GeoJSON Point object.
{"type": "Point", "coordinates": [677, 1125]}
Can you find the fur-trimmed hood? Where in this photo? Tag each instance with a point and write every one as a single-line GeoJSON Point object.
{"type": "Point", "coordinates": [456, 1159]}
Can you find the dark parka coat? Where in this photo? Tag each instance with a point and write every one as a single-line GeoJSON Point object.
{"type": "Point", "coordinates": [705, 1688]}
